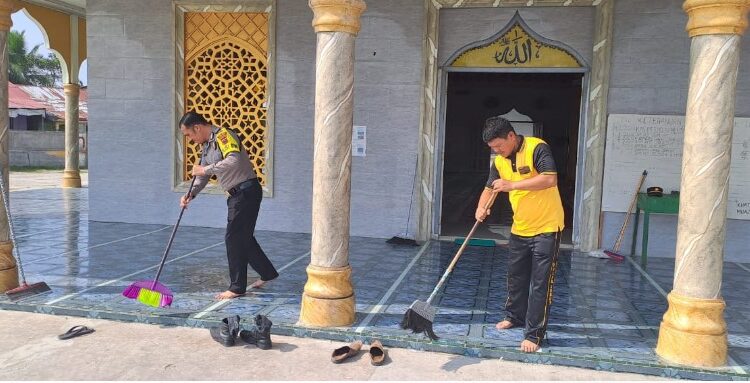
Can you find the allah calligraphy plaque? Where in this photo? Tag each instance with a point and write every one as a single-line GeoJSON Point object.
{"type": "Point", "coordinates": [517, 47]}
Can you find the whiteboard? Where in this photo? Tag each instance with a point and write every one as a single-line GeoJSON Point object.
{"type": "Point", "coordinates": [654, 143]}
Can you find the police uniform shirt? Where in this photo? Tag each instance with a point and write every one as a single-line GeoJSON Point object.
{"type": "Point", "coordinates": [225, 157]}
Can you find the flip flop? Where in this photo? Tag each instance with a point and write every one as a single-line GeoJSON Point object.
{"type": "Point", "coordinates": [75, 331]}
{"type": "Point", "coordinates": [377, 353]}
{"type": "Point", "coordinates": [342, 353]}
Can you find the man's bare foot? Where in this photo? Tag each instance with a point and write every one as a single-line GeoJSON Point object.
{"type": "Point", "coordinates": [227, 295]}
{"type": "Point", "coordinates": [529, 346]}
{"type": "Point", "coordinates": [258, 284]}
{"type": "Point", "coordinates": [504, 325]}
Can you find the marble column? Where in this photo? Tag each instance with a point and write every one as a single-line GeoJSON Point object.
{"type": "Point", "coordinates": [328, 298]}
{"type": "Point", "coordinates": [71, 175]}
{"type": "Point", "coordinates": [428, 132]}
{"type": "Point", "coordinates": [596, 133]}
{"type": "Point", "coordinates": [693, 330]}
{"type": "Point", "coordinates": [8, 271]}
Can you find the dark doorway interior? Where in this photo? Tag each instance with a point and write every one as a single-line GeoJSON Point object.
{"type": "Point", "coordinates": [551, 100]}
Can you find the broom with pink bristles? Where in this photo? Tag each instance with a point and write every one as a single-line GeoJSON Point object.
{"type": "Point", "coordinates": [614, 252]}
{"type": "Point", "coordinates": [151, 292]}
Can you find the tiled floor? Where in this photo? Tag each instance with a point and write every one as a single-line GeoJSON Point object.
{"type": "Point", "coordinates": [604, 316]}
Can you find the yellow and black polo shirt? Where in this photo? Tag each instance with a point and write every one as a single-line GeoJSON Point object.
{"type": "Point", "coordinates": [534, 211]}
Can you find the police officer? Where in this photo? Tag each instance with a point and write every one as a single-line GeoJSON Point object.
{"type": "Point", "coordinates": [526, 170]}
{"type": "Point", "coordinates": [225, 157]}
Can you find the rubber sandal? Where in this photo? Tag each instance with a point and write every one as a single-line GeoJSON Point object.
{"type": "Point", "coordinates": [75, 331]}
{"type": "Point", "coordinates": [342, 353]}
{"type": "Point", "coordinates": [377, 353]}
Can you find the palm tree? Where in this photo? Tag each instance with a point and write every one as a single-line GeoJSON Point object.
{"type": "Point", "coordinates": [30, 67]}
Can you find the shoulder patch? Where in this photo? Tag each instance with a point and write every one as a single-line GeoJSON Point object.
{"type": "Point", "coordinates": [227, 143]}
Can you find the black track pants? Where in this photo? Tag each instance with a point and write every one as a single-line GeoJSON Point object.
{"type": "Point", "coordinates": [531, 274]}
{"type": "Point", "coordinates": [242, 248]}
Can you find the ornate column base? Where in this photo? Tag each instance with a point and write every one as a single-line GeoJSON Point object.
{"type": "Point", "coordinates": [71, 179]}
{"type": "Point", "coordinates": [328, 299]}
{"type": "Point", "coordinates": [693, 332]}
{"type": "Point", "coordinates": [8, 268]}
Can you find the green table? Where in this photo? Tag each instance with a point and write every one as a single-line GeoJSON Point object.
{"type": "Point", "coordinates": [667, 204]}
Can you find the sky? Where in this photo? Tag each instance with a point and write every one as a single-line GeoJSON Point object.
{"type": "Point", "coordinates": [34, 36]}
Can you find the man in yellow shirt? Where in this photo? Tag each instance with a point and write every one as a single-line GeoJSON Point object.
{"type": "Point", "coordinates": [526, 170]}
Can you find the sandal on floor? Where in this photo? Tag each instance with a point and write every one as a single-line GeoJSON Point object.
{"type": "Point", "coordinates": [377, 353]}
{"type": "Point", "coordinates": [342, 353]}
{"type": "Point", "coordinates": [75, 331]}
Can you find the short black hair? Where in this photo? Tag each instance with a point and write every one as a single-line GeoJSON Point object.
{"type": "Point", "coordinates": [496, 127]}
{"type": "Point", "coordinates": [192, 118]}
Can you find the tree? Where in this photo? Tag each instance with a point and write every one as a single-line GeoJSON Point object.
{"type": "Point", "coordinates": [30, 67]}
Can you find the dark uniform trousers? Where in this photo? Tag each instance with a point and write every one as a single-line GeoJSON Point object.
{"type": "Point", "coordinates": [531, 275]}
{"type": "Point", "coordinates": [242, 248]}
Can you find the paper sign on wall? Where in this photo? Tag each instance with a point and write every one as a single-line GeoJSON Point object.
{"type": "Point", "coordinates": [655, 143]}
{"type": "Point", "coordinates": [359, 141]}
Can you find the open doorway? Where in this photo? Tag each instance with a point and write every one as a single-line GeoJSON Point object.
{"type": "Point", "coordinates": [546, 105]}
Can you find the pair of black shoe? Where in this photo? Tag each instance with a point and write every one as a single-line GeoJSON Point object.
{"type": "Point", "coordinates": [229, 330]}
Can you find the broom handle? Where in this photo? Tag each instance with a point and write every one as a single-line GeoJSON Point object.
{"type": "Point", "coordinates": [460, 251]}
{"type": "Point", "coordinates": [174, 230]}
{"type": "Point", "coordinates": [10, 226]}
{"type": "Point", "coordinates": [618, 242]}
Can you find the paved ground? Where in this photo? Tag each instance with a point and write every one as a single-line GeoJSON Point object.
{"type": "Point", "coordinates": [134, 351]}
{"type": "Point", "coordinates": [41, 179]}
{"type": "Point", "coordinates": [604, 316]}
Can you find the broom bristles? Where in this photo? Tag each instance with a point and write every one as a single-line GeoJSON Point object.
{"type": "Point", "coordinates": [131, 292]}
{"type": "Point", "coordinates": [614, 256]}
{"type": "Point", "coordinates": [418, 318]}
{"type": "Point", "coordinates": [159, 296]}
{"type": "Point", "coordinates": [149, 297]}
{"type": "Point", "coordinates": [26, 290]}
{"type": "Point", "coordinates": [417, 324]}
{"type": "Point", "coordinates": [402, 241]}
{"type": "Point", "coordinates": [606, 254]}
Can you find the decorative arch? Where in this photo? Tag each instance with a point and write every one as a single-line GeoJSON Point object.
{"type": "Point", "coordinates": [58, 54]}
{"type": "Point", "coordinates": [516, 46]}
{"type": "Point", "coordinates": [64, 35]}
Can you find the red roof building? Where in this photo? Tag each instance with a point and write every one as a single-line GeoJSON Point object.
{"type": "Point", "coordinates": [30, 106]}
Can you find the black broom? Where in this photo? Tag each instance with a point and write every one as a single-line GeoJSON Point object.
{"type": "Point", "coordinates": [25, 290]}
{"type": "Point", "coordinates": [420, 315]}
{"type": "Point", "coordinates": [406, 240]}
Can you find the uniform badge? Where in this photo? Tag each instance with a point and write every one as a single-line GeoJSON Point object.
{"type": "Point", "coordinates": [227, 143]}
{"type": "Point", "coordinates": [223, 138]}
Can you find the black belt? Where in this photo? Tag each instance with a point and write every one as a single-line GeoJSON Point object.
{"type": "Point", "coordinates": [241, 186]}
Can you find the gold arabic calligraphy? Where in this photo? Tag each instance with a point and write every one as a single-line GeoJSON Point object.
{"type": "Point", "coordinates": [517, 50]}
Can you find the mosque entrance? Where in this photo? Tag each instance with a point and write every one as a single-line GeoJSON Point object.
{"type": "Point", "coordinates": [544, 105]}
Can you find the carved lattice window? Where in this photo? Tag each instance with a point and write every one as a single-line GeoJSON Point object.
{"type": "Point", "coordinates": [226, 79]}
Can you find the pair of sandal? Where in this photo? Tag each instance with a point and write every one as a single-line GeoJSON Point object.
{"type": "Point", "coordinates": [377, 352]}
{"type": "Point", "coordinates": [75, 331]}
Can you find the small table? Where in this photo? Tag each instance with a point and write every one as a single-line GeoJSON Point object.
{"type": "Point", "coordinates": [667, 204]}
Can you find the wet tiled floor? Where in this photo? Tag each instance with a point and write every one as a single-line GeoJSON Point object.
{"type": "Point", "coordinates": [604, 316]}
